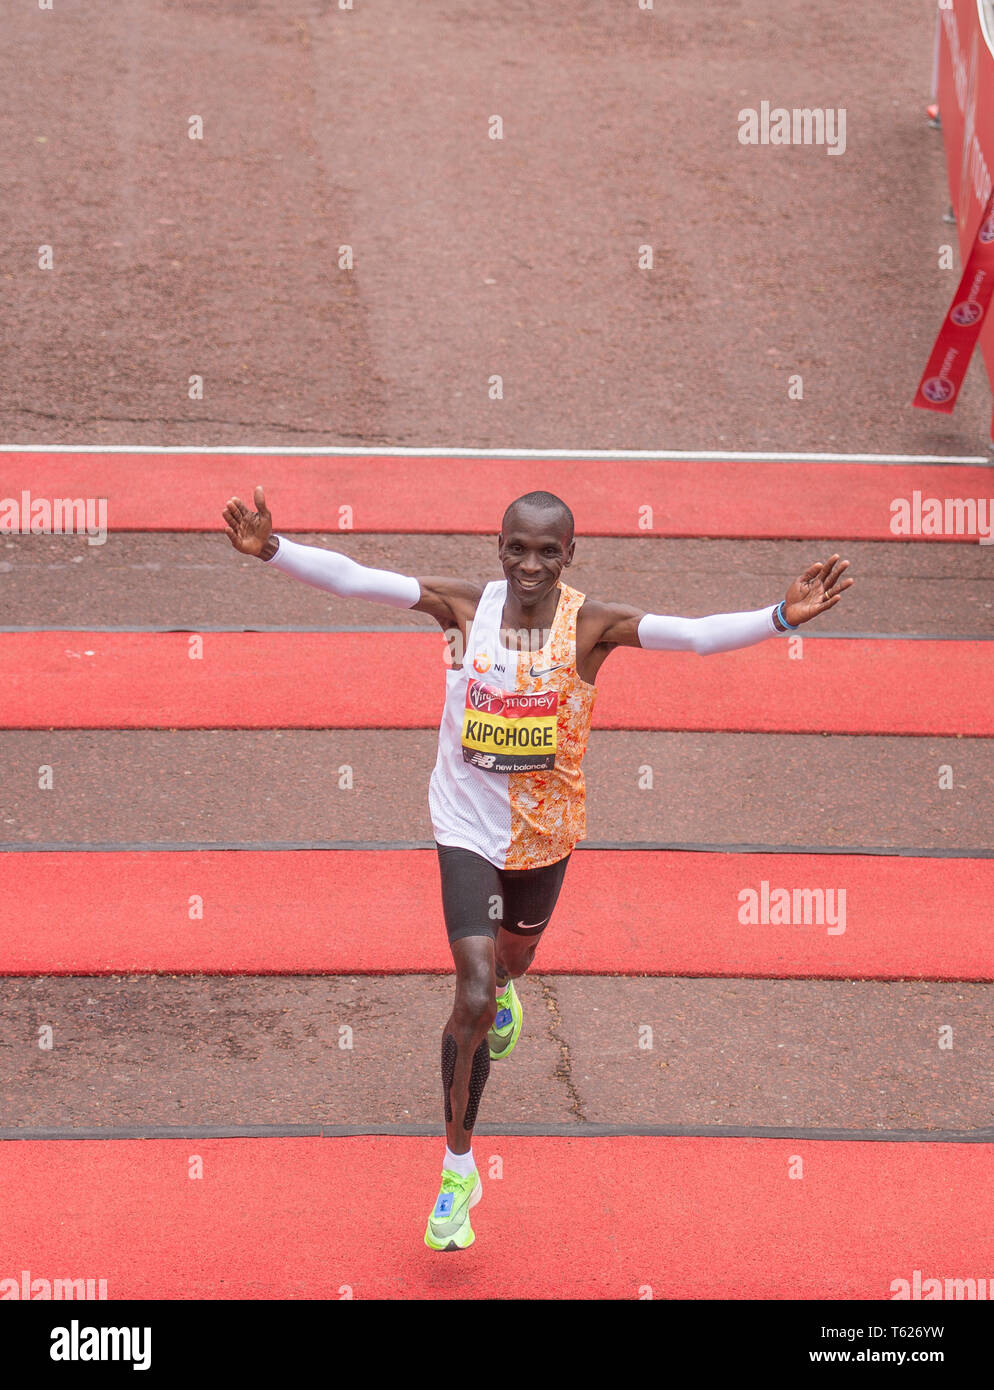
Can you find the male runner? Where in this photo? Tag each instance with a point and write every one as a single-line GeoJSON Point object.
{"type": "Point", "coordinates": [507, 793]}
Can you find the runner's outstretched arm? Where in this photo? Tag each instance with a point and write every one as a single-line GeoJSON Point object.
{"type": "Point", "coordinates": [817, 590]}
{"type": "Point", "coordinates": [252, 534]}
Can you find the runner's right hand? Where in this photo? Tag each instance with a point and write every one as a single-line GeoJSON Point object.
{"type": "Point", "coordinates": [248, 531]}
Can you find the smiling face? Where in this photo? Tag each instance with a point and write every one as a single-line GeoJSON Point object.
{"type": "Point", "coordinates": [534, 551]}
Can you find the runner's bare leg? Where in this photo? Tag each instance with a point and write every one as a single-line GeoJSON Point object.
{"type": "Point", "coordinates": [464, 1038]}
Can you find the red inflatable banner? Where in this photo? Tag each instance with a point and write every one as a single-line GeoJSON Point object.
{"type": "Point", "coordinates": [964, 86]}
{"type": "Point", "coordinates": [946, 368]}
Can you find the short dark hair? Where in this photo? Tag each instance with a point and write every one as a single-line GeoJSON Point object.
{"type": "Point", "coordinates": [546, 502]}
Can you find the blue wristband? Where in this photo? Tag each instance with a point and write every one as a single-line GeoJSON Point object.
{"type": "Point", "coordinates": [781, 614]}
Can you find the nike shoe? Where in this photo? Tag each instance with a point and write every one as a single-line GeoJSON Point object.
{"type": "Point", "coordinates": [507, 1025]}
{"type": "Point", "coordinates": [448, 1225]}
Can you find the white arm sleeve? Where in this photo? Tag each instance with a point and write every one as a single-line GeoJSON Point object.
{"type": "Point", "coordinates": [722, 632]}
{"type": "Point", "coordinates": [341, 575]}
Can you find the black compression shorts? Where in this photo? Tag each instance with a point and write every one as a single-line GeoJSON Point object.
{"type": "Point", "coordinates": [477, 897]}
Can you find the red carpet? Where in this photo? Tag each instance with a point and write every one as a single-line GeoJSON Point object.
{"type": "Point", "coordinates": [350, 680]}
{"type": "Point", "coordinates": [325, 1218]}
{"type": "Point", "coordinates": [688, 497]}
{"type": "Point", "coordinates": [621, 912]}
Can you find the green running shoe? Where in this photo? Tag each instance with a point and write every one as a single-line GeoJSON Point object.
{"type": "Point", "coordinates": [448, 1225]}
{"type": "Point", "coordinates": [507, 1025]}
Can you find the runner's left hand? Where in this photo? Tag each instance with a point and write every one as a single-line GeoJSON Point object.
{"type": "Point", "coordinates": [248, 531]}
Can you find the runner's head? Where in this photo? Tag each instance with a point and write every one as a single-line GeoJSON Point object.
{"type": "Point", "coordinates": [535, 544]}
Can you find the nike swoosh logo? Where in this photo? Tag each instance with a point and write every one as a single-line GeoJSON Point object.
{"type": "Point", "coordinates": [548, 670]}
{"type": "Point", "coordinates": [446, 1225]}
{"type": "Point", "coordinates": [530, 926]}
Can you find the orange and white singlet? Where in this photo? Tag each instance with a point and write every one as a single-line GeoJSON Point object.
{"type": "Point", "coordinates": [507, 782]}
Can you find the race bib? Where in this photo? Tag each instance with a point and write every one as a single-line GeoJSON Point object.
{"type": "Point", "coordinates": [508, 731]}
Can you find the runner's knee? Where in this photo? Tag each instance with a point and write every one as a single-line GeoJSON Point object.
{"type": "Point", "coordinates": [476, 1003]}
{"type": "Point", "coordinates": [516, 961]}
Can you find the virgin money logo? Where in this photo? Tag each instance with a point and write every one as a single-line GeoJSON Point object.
{"type": "Point", "coordinates": [966, 313]}
{"type": "Point", "coordinates": [937, 389]}
{"type": "Point", "coordinates": [986, 233]}
{"type": "Point", "coordinates": [485, 697]}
